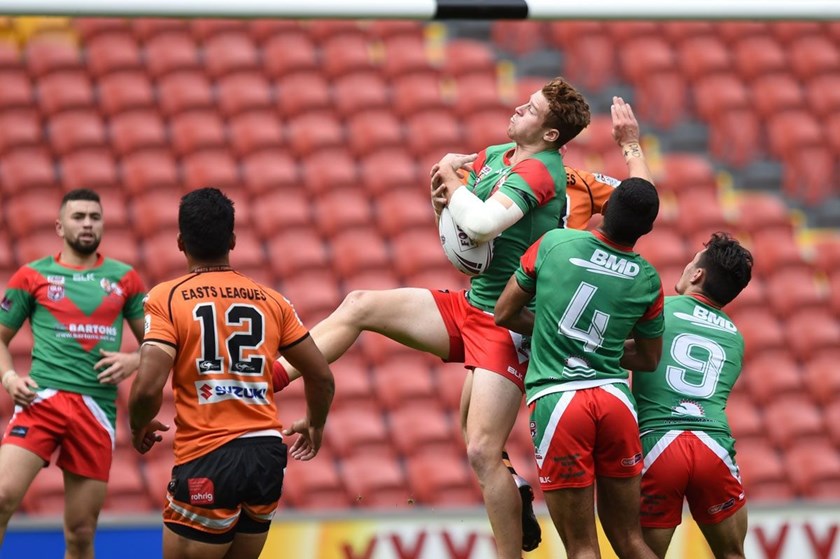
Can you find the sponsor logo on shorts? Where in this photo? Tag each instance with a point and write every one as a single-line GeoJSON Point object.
{"type": "Point", "coordinates": [545, 479]}
{"type": "Point", "coordinates": [726, 505]}
{"type": "Point", "coordinates": [201, 491]}
{"type": "Point", "coordinates": [214, 391]}
{"type": "Point", "coordinates": [6, 304]}
{"type": "Point", "coordinates": [19, 431]}
{"type": "Point", "coordinates": [632, 461]}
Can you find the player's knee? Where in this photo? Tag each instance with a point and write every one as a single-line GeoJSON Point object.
{"type": "Point", "coordinates": [357, 306]}
{"type": "Point", "coordinates": [9, 501]}
{"type": "Point", "coordinates": [482, 455]}
{"type": "Point", "coordinates": [79, 535]}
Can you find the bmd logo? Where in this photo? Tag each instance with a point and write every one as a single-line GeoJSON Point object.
{"type": "Point", "coordinates": [604, 263]}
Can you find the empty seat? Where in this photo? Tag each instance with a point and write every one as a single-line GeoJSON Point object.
{"type": "Point", "coordinates": [62, 91]}
{"type": "Point", "coordinates": [751, 297]}
{"type": "Point", "coordinates": [792, 418]}
{"type": "Point", "coordinates": [758, 211]}
{"type": "Point", "coordinates": [358, 92]}
{"type": "Point", "coordinates": [74, 130]}
{"type": "Point", "coordinates": [744, 417]}
{"type": "Point", "coordinates": [228, 53]}
{"type": "Point", "coordinates": [322, 30]}
{"type": "Point", "coordinates": [240, 92]}
{"type": "Point", "coordinates": [168, 261]}
{"type": "Point", "coordinates": [468, 56]}
{"type": "Point", "coordinates": [823, 94]}
{"type": "Point", "coordinates": [120, 244]}
{"type": "Point", "coordinates": [519, 37]}
{"type": "Point", "coordinates": [354, 386]}
{"type": "Point", "coordinates": [155, 211]}
{"type": "Point", "coordinates": [390, 169]}
{"type": "Point", "coordinates": [170, 52]}
{"type": "Point", "coordinates": [204, 29]}
{"type": "Point", "coordinates": [442, 479]}
{"type": "Point", "coordinates": [814, 469]}
{"type": "Point", "coordinates": [357, 250]}
{"type": "Point", "coordinates": [475, 93]}
{"type": "Point", "coordinates": [402, 383]}
{"type": "Point", "coordinates": [313, 132]}
{"type": "Point", "coordinates": [831, 414]}
{"type": "Point", "coordinates": [19, 128]}
{"type": "Point", "coordinates": [822, 376]}
{"type": "Point", "coordinates": [787, 32]}
{"type": "Point", "coordinates": [269, 169]}
{"type": "Point", "coordinates": [146, 28]}
{"type": "Point", "coordinates": [93, 168]}
{"type": "Point", "coordinates": [417, 250]}
{"type": "Point", "coordinates": [663, 99]}
{"type": "Point", "coordinates": [261, 30]}
{"type": "Point", "coordinates": [775, 249]}
{"type": "Point", "coordinates": [762, 470]}
{"type": "Point", "coordinates": [111, 52]}
{"type": "Point", "coordinates": [215, 168]}
{"type": "Point", "coordinates": [295, 250]}
{"type": "Point", "coordinates": [735, 136]}
{"type": "Point", "coordinates": [16, 91]}
{"type": "Point", "coordinates": [775, 93]}
{"type": "Point", "coordinates": [702, 56]}
{"type": "Point", "coordinates": [806, 169]}
{"type": "Point", "coordinates": [719, 92]}
{"type": "Point", "coordinates": [771, 373]}
{"type": "Point", "coordinates": [254, 131]}
{"type": "Point", "coordinates": [48, 54]}
{"type": "Point", "coordinates": [302, 92]}
{"type": "Point", "coordinates": [375, 482]}
{"type": "Point", "coordinates": [373, 130]}
{"type": "Point", "coordinates": [811, 56]}
{"type": "Point", "coordinates": [700, 214]}
{"type": "Point", "coordinates": [346, 54]}
{"type": "Point", "coordinates": [416, 428]}
{"type": "Point", "coordinates": [791, 290]}
{"type": "Point", "coordinates": [137, 130]}
{"type": "Point", "coordinates": [90, 27]}
{"type": "Point", "coordinates": [678, 31]}
{"type": "Point", "coordinates": [183, 91]}
{"type": "Point", "coordinates": [642, 56]}
{"type": "Point", "coordinates": [761, 331]}
{"type": "Point", "coordinates": [358, 432]}
{"type": "Point", "coordinates": [811, 330]}
{"type": "Point", "coordinates": [415, 93]}
{"type": "Point", "coordinates": [565, 33]}
{"type": "Point", "coordinates": [756, 56]}
{"type": "Point", "coordinates": [26, 169]}
{"type": "Point", "coordinates": [315, 485]}
{"type": "Point", "coordinates": [336, 212]}
{"type": "Point", "coordinates": [405, 54]}
{"type": "Point", "coordinates": [367, 280]}
{"type": "Point", "coordinates": [46, 494]}
{"type": "Point", "coordinates": [686, 172]}
{"type": "Point", "coordinates": [402, 209]}
{"type": "Point", "coordinates": [486, 128]}
{"type": "Point", "coordinates": [329, 169]}
{"type": "Point", "coordinates": [315, 295]}
{"type": "Point", "coordinates": [147, 170]}
{"type": "Point", "coordinates": [31, 211]}
{"type": "Point", "coordinates": [626, 30]}
{"type": "Point", "coordinates": [663, 248]}
{"type": "Point", "coordinates": [195, 131]}
{"type": "Point", "coordinates": [125, 91]}
{"type": "Point", "coordinates": [126, 488]}
{"type": "Point", "coordinates": [433, 131]}
{"type": "Point", "coordinates": [387, 28]}
{"type": "Point", "coordinates": [286, 54]}
{"type": "Point", "coordinates": [590, 61]}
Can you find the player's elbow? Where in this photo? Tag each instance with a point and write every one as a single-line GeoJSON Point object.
{"type": "Point", "coordinates": [479, 230]}
{"type": "Point", "coordinates": [649, 361]}
{"type": "Point", "coordinates": [503, 315]}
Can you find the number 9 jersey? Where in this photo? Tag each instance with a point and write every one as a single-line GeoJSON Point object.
{"type": "Point", "coordinates": [227, 330]}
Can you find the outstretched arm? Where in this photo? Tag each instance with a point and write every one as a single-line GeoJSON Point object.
{"type": "Point", "coordinates": [627, 136]}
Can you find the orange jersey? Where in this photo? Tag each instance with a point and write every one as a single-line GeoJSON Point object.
{"type": "Point", "coordinates": [586, 194]}
{"type": "Point", "coordinates": [227, 331]}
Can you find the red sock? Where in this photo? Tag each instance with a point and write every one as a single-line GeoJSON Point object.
{"type": "Point", "coordinates": [279, 377]}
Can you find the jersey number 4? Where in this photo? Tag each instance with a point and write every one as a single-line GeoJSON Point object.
{"type": "Point", "coordinates": [211, 361]}
{"type": "Point", "coordinates": [593, 336]}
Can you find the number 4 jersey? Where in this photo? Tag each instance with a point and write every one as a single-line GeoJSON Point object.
{"type": "Point", "coordinates": [227, 331]}
{"type": "Point", "coordinates": [701, 360]}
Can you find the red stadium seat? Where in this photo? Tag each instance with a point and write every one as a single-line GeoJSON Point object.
{"type": "Point", "coordinates": [519, 37]}
{"type": "Point", "coordinates": [744, 417]}
{"type": "Point", "coordinates": [155, 211]}
{"type": "Point", "coordinates": [10, 56]}
{"type": "Point", "coordinates": [789, 291]}
{"type": "Point", "coordinates": [811, 330]}
{"type": "Point", "coordinates": [387, 28]}
{"type": "Point", "coordinates": [358, 432]}
{"type": "Point", "coordinates": [228, 53]}
{"type": "Point", "coordinates": [415, 93]}
{"type": "Point", "coordinates": [565, 33]}
{"type": "Point", "coordinates": [74, 130]}
{"type": "Point", "coordinates": [19, 128]}
{"type": "Point", "coordinates": [210, 168]}
{"type": "Point", "coordinates": [788, 31]}
{"type": "Point", "coordinates": [261, 30]}
{"type": "Point", "coordinates": [376, 482]}
{"type": "Point", "coordinates": [806, 169]}
{"type": "Point", "coordinates": [597, 137]}
{"type": "Point", "coordinates": [340, 211]}
{"type": "Point", "coordinates": [678, 31]}
{"type": "Point", "coordinates": [373, 130]}
{"type": "Point", "coordinates": [822, 376]}
{"type": "Point", "coordinates": [314, 485]}
{"type": "Point", "coordinates": [294, 251]}
{"type": "Point", "coordinates": [831, 414]}
{"type": "Point", "coordinates": [195, 131]}
{"type": "Point", "coordinates": [591, 62]}
{"type": "Point", "coordinates": [450, 379]}
{"type": "Point", "coordinates": [435, 132]}
{"type": "Point", "coordinates": [663, 248]}
{"type": "Point", "coordinates": [468, 56]}
{"type": "Point", "coordinates": [90, 27]}
{"type": "Point", "coordinates": [751, 297]}
{"type": "Point", "coordinates": [792, 418]}
{"type": "Point", "coordinates": [417, 428]}
{"type": "Point", "coordinates": [167, 261]}
{"type": "Point", "coordinates": [814, 469]}
{"type": "Point", "coordinates": [274, 211]}
{"type": "Point", "coordinates": [88, 169]}
{"type": "Point", "coordinates": [486, 128]}
{"type": "Point", "coordinates": [126, 491]}
{"type": "Point", "coordinates": [51, 53]}
{"type": "Point", "coordinates": [125, 91]}
{"type": "Point", "coordinates": [775, 93]}
{"type": "Point", "coordinates": [686, 172]}
{"type": "Point", "coordinates": [205, 29]}
{"type": "Point", "coordinates": [417, 250]}
{"type": "Point", "coordinates": [390, 169]}
{"type": "Point", "coordinates": [46, 494]}
{"type": "Point", "coordinates": [184, 91]}
{"type": "Point", "coordinates": [26, 169]}
{"type": "Point", "coordinates": [358, 250]}
{"type": "Point", "coordinates": [62, 91]}
{"type": "Point", "coordinates": [475, 93]}
{"type": "Point", "coordinates": [302, 92]}
{"type": "Point", "coordinates": [825, 253]}
{"type": "Point", "coordinates": [286, 54]}
{"type": "Point", "coordinates": [700, 214]}
{"type": "Point", "coordinates": [811, 56]}
{"type": "Point", "coordinates": [245, 91]}
{"type": "Point", "coordinates": [31, 211]}
{"type": "Point", "coordinates": [346, 54]}
{"type": "Point", "coordinates": [377, 349]}
{"type": "Point", "coordinates": [355, 93]}
{"type": "Point", "coordinates": [268, 170]}
{"type": "Point", "coordinates": [703, 56]}
{"type": "Point", "coordinates": [120, 244]}
{"type": "Point", "coordinates": [735, 136]}
{"type": "Point", "coordinates": [137, 130]}
{"type": "Point", "coordinates": [254, 131]}
{"type": "Point", "coordinates": [756, 56]}
{"type": "Point", "coordinates": [111, 52]}
{"type": "Point", "coordinates": [774, 250]}
{"type": "Point", "coordinates": [147, 170]}
{"type": "Point", "coordinates": [771, 373]}
{"type": "Point", "coordinates": [171, 52]}
{"type": "Point", "coordinates": [353, 381]}
{"type": "Point", "coordinates": [329, 170]}
{"type": "Point", "coordinates": [312, 132]}
{"type": "Point", "coordinates": [823, 94]}
{"type": "Point", "coordinates": [762, 470]}
{"type": "Point", "coordinates": [400, 382]}
{"type": "Point", "coordinates": [761, 331]}
{"type": "Point", "coordinates": [441, 479]}
{"type": "Point", "coordinates": [719, 92]}
{"type": "Point", "coordinates": [405, 54]}
{"type": "Point", "coordinates": [759, 211]}
{"type": "Point", "coordinates": [321, 30]}
{"type": "Point", "coordinates": [623, 31]}
{"type": "Point", "coordinates": [16, 91]}
{"type": "Point", "coordinates": [645, 55]}
{"type": "Point", "coordinates": [401, 210]}
{"type": "Point", "coordinates": [663, 99]}
{"type": "Point", "coordinates": [146, 28]}
{"type": "Point", "coordinates": [370, 280]}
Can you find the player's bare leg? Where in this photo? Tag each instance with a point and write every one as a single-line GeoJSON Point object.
{"type": "Point", "coordinates": [176, 546]}
{"type": "Point", "coordinates": [573, 513]}
{"type": "Point", "coordinates": [619, 501]}
{"type": "Point", "coordinates": [493, 406]}
{"type": "Point", "coordinates": [727, 538]}
{"type": "Point", "coordinates": [19, 467]}
{"type": "Point", "coordinates": [246, 546]}
{"type": "Point", "coordinates": [83, 499]}
{"type": "Point", "coordinates": [407, 315]}
{"type": "Point", "coordinates": [659, 539]}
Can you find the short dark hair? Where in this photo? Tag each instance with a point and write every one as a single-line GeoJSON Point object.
{"type": "Point", "coordinates": [631, 211]}
{"type": "Point", "coordinates": [81, 194]}
{"type": "Point", "coordinates": [205, 221]}
{"type": "Point", "coordinates": [728, 267]}
{"type": "Point", "coordinates": [568, 111]}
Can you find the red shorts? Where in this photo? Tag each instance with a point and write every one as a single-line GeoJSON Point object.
{"type": "Point", "coordinates": [583, 434]}
{"type": "Point", "coordinates": [476, 341]}
{"type": "Point", "coordinates": [694, 466]}
{"type": "Point", "coordinates": [69, 421]}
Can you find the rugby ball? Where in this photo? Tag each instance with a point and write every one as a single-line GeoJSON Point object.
{"type": "Point", "coordinates": [467, 256]}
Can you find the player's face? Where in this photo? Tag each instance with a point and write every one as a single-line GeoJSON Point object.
{"type": "Point", "coordinates": [527, 123]}
{"type": "Point", "coordinates": [80, 225]}
{"type": "Point", "coordinates": [688, 271]}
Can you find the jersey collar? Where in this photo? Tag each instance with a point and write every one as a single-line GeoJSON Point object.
{"type": "Point", "coordinates": [705, 300]}
{"type": "Point", "coordinates": [603, 238]}
{"type": "Point", "coordinates": [99, 260]}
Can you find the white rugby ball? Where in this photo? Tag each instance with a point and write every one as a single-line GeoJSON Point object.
{"type": "Point", "coordinates": [467, 256]}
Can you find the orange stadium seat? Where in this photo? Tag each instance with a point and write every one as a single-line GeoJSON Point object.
{"type": "Point", "coordinates": [775, 93]}
{"type": "Point", "coordinates": [436, 132]}
{"type": "Point", "coordinates": [761, 331]}
{"type": "Point", "coordinates": [26, 169]}
{"type": "Point", "coordinates": [184, 91]}
{"type": "Point", "coordinates": [757, 211]}
{"type": "Point", "coordinates": [736, 136]}
{"type": "Point", "coordinates": [823, 94]}
{"type": "Point", "coordinates": [744, 418]}
{"type": "Point", "coordinates": [762, 470]}
{"type": "Point", "coordinates": [441, 479]}
{"type": "Point", "coordinates": [195, 131]}
{"type": "Point", "coordinates": [358, 250]}
{"type": "Point", "coordinates": [254, 131]}
{"type": "Point", "coordinates": [792, 418]}
{"type": "Point", "coordinates": [477, 92]}
{"type": "Point", "coordinates": [703, 56]}
{"type": "Point", "coordinates": [210, 167]}
{"type": "Point", "coordinates": [374, 481]}
{"type": "Point", "coordinates": [204, 29]}
{"type": "Point", "coordinates": [329, 169]}
{"type": "Point", "coordinates": [415, 93]}
{"type": "Point", "coordinates": [315, 131]}
{"type": "Point", "coordinates": [148, 170]}
{"type": "Point", "coordinates": [48, 54]}
{"type": "Point", "coordinates": [415, 427]}
{"type": "Point", "coordinates": [789, 291]}
{"type": "Point", "coordinates": [719, 92]}
{"type": "Point", "coordinates": [302, 92]}
{"type": "Point", "coordinates": [486, 128]}
{"type": "Point", "coordinates": [346, 54]}
{"type": "Point", "coordinates": [814, 469]}
{"type": "Point", "coordinates": [286, 54]}
{"type": "Point", "coordinates": [88, 169]}
{"type": "Point", "coordinates": [811, 330]}
{"type": "Point", "coordinates": [822, 376]}
{"type": "Point", "coordinates": [417, 251]}
{"type": "Point", "coordinates": [155, 211]}
{"type": "Point", "coordinates": [245, 91]}
{"type": "Point", "coordinates": [355, 93]}
{"type": "Point", "coordinates": [771, 373]}
{"type": "Point", "coordinates": [756, 56]}
{"type": "Point", "coordinates": [358, 432]}
{"type": "Point", "coordinates": [19, 128]}
{"type": "Point", "coordinates": [134, 131]}
{"type": "Point", "coordinates": [261, 30]}
{"type": "Point", "coordinates": [788, 31]}
{"type": "Point", "coordinates": [228, 53]}
{"type": "Point", "coordinates": [269, 169]}
{"type": "Point", "coordinates": [402, 209]}
{"type": "Point", "coordinates": [89, 27]}
{"type": "Point", "coordinates": [340, 211]}
{"type": "Point", "coordinates": [16, 91]}
{"type": "Point", "coordinates": [111, 52]}
{"type": "Point", "coordinates": [295, 250]}
{"type": "Point", "coordinates": [31, 211]}
{"type": "Point", "coordinates": [806, 170]}
{"type": "Point", "coordinates": [519, 37]}
{"type": "Point", "coordinates": [645, 55]}
{"type": "Point", "coordinates": [403, 55]}
{"type": "Point", "coordinates": [400, 382]}
{"type": "Point", "coordinates": [62, 91]}
{"type": "Point", "coordinates": [468, 56]}
{"type": "Point", "coordinates": [372, 130]}
{"type": "Point", "coordinates": [314, 485]}
{"type": "Point", "coordinates": [146, 28]}
{"type": "Point", "coordinates": [125, 91]}
{"type": "Point", "coordinates": [382, 170]}
{"type": "Point", "coordinates": [170, 52]}
{"type": "Point", "coordinates": [126, 491]}
{"type": "Point", "coordinates": [811, 56]}
{"type": "Point", "coordinates": [274, 211]}
{"type": "Point", "coordinates": [74, 130]}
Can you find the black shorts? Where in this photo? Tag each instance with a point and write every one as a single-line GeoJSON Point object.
{"type": "Point", "coordinates": [208, 495]}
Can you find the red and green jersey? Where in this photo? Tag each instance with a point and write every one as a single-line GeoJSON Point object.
{"type": "Point", "coordinates": [73, 313]}
{"type": "Point", "coordinates": [538, 186]}
{"type": "Point", "coordinates": [701, 360]}
{"type": "Point", "coordinates": [591, 295]}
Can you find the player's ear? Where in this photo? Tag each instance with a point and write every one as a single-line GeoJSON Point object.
{"type": "Point", "coordinates": [180, 243]}
{"type": "Point", "coordinates": [551, 135]}
{"type": "Point", "coordinates": [232, 241]}
{"type": "Point", "coordinates": [698, 276]}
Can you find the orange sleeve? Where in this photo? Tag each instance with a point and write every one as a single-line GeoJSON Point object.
{"type": "Point", "coordinates": [292, 329]}
{"type": "Point", "coordinates": [158, 325]}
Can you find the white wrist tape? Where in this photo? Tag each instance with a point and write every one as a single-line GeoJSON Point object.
{"type": "Point", "coordinates": [481, 221]}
